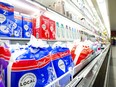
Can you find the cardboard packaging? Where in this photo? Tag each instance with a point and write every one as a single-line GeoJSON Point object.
{"type": "Point", "coordinates": [44, 28]}
{"type": "Point", "coordinates": [6, 19]}
{"type": "Point", "coordinates": [27, 27]}
{"type": "Point", "coordinates": [17, 26]}
{"type": "Point", "coordinates": [52, 29]}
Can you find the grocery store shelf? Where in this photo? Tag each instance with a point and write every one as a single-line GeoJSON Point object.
{"type": "Point", "coordinates": [90, 21]}
{"type": "Point", "coordinates": [48, 40]}
{"type": "Point", "coordinates": [75, 70]}
{"type": "Point", "coordinates": [12, 38]}
{"type": "Point", "coordinates": [80, 80]}
{"type": "Point", "coordinates": [80, 71]}
{"type": "Point", "coordinates": [79, 23]}
{"type": "Point", "coordinates": [26, 40]}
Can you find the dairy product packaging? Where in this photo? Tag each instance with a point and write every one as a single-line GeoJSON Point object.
{"type": "Point", "coordinates": [97, 47]}
{"type": "Point", "coordinates": [66, 32]}
{"type": "Point", "coordinates": [80, 52]}
{"type": "Point", "coordinates": [4, 59]}
{"type": "Point", "coordinates": [58, 35]}
{"type": "Point", "coordinates": [52, 29]}
{"type": "Point", "coordinates": [31, 67]}
{"type": "Point", "coordinates": [17, 26]}
{"type": "Point", "coordinates": [6, 19]}
{"type": "Point", "coordinates": [62, 30]}
{"type": "Point", "coordinates": [44, 28]}
{"type": "Point", "coordinates": [60, 6]}
{"type": "Point", "coordinates": [27, 27]}
{"type": "Point", "coordinates": [36, 25]}
{"type": "Point", "coordinates": [62, 62]}
{"type": "Point", "coordinates": [70, 33]}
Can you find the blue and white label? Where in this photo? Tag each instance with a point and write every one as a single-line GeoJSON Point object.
{"type": "Point", "coordinates": [27, 80]}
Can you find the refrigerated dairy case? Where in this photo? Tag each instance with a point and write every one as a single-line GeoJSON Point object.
{"type": "Point", "coordinates": [76, 23]}
{"type": "Point", "coordinates": [92, 72]}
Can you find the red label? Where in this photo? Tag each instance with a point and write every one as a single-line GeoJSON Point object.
{"type": "Point", "coordinates": [44, 61]}
{"type": "Point", "coordinates": [18, 17]}
{"type": "Point", "coordinates": [4, 53]}
{"type": "Point", "coordinates": [60, 55]}
{"type": "Point", "coordinates": [4, 57]}
{"type": "Point", "coordinates": [27, 19]}
{"type": "Point", "coordinates": [22, 65]}
{"type": "Point", "coordinates": [6, 8]}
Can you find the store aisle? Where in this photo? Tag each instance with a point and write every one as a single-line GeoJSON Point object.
{"type": "Point", "coordinates": [112, 76]}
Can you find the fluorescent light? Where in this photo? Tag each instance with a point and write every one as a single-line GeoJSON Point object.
{"type": "Point", "coordinates": [104, 12]}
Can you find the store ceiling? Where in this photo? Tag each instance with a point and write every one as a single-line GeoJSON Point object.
{"type": "Point", "coordinates": [112, 13]}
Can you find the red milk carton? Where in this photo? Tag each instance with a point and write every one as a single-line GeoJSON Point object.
{"type": "Point", "coordinates": [44, 28]}
{"type": "Point", "coordinates": [52, 29]}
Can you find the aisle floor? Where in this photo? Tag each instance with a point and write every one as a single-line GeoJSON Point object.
{"type": "Point", "coordinates": [112, 74]}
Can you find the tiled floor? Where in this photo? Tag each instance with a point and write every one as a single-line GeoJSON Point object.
{"type": "Point", "coordinates": [112, 76]}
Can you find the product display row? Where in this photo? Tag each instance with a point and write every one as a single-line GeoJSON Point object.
{"type": "Point", "coordinates": [78, 11]}
{"type": "Point", "coordinates": [43, 26]}
{"type": "Point", "coordinates": [39, 64]}
{"type": "Point", "coordinates": [43, 60]}
{"type": "Point", "coordinates": [15, 25]}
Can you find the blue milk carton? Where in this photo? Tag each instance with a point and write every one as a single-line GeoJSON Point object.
{"type": "Point", "coordinates": [27, 26]}
{"type": "Point", "coordinates": [6, 19]}
{"type": "Point", "coordinates": [33, 68]}
{"type": "Point", "coordinates": [62, 62]}
{"type": "Point", "coordinates": [17, 26]}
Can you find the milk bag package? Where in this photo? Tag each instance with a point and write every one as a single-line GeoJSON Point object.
{"type": "Point", "coordinates": [80, 52]}
{"type": "Point", "coordinates": [4, 59]}
{"type": "Point", "coordinates": [62, 62]}
{"type": "Point", "coordinates": [97, 47]}
{"type": "Point", "coordinates": [27, 26]}
{"type": "Point", "coordinates": [6, 19]}
{"type": "Point", "coordinates": [44, 28]}
{"type": "Point", "coordinates": [31, 68]}
{"type": "Point", "coordinates": [17, 26]}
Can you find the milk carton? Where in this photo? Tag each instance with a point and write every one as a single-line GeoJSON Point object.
{"type": "Point", "coordinates": [44, 27]}
{"type": "Point", "coordinates": [17, 26]}
{"type": "Point", "coordinates": [52, 29]}
{"type": "Point", "coordinates": [6, 19]}
{"type": "Point", "coordinates": [27, 26]}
